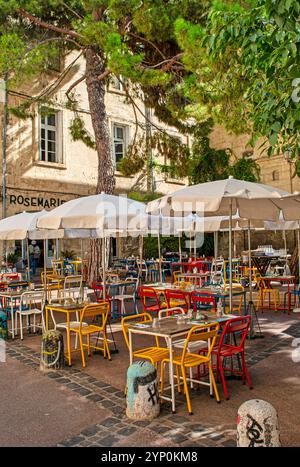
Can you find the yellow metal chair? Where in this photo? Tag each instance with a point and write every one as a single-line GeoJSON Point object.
{"type": "Point", "coordinates": [52, 284]}
{"type": "Point", "coordinates": [187, 360]}
{"type": "Point", "coordinates": [154, 353]}
{"type": "Point", "coordinates": [58, 266]}
{"type": "Point", "coordinates": [263, 289]}
{"type": "Point", "coordinates": [98, 314]}
{"type": "Point", "coordinates": [237, 308]}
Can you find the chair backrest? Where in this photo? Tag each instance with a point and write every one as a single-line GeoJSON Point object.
{"type": "Point", "coordinates": [32, 299]}
{"type": "Point", "coordinates": [202, 332]}
{"type": "Point", "coordinates": [57, 265]}
{"type": "Point", "coordinates": [131, 286]}
{"type": "Point", "coordinates": [171, 294]}
{"type": "Point", "coordinates": [166, 312]}
{"type": "Point", "coordinates": [112, 277]}
{"type": "Point", "coordinates": [203, 299]}
{"type": "Point", "coordinates": [239, 327]}
{"type": "Point", "coordinates": [94, 311]}
{"type": "Point", "coordinates": [147, 293]}
{"type": "Point", "coordinates": [14, 276]}
{"type": "Point", "coordinates": [72, 281]}
{"type": "Point", "coordinates": [99, 292]}
{"type": "Point", "coordinates": [131, 319]}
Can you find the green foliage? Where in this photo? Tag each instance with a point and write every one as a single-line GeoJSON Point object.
{"type": "Point", "coordinates": [12, 258]}
{"type": "Point", "coordinates": [68, 254]}
{"type": "Point", "coordinates": [243, 64]}
{"type": "Point", "coordinates": [79, 133]}
{"type": "Point", "coordinates": [134, 160]}
{"type": "Point", "coordinates": [166, 244]}
{"type": "Point", "coordinates": [143, 197]}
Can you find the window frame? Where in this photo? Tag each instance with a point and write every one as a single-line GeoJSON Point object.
{"type": "Point", "coordinates": [125, 140]}
{"type": "Point", "coordinates": [58, 137]}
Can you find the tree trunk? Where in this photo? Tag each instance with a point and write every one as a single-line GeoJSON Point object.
{"type": "Point", "coordinates": [106, 171]}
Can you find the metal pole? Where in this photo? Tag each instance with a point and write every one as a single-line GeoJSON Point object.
{"type": "Point", "coordinates": [179, 249]}
{"type": "Point", "coordinates": [250, 263]}
{"type": "Point", "coordinates": [230, 258]}
{"type": "Point", "coordinates": [4, 147]}
{"type": "Point", "coordinates": [216, 244]}
{"type": "Point", "coordinates": [284, 242]}
{"type": "Point", "coordinates": [45, 269]}
{"type": "Point", "coordinates": [4, 157]}
{"type": "Point", "coordinates": [159, 257]}
{"type": "Point", "coordinates": [28, 259]}
{"type": "Point", "coordinates": [103, 268]}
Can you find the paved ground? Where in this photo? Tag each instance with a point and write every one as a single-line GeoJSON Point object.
{"type": "Point", "coordinates": [85, 408]}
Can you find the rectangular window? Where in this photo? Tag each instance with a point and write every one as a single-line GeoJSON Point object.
{"type": "Point", "coordinates": [49, 137]}
{"type": "Point", "coordinates": [120, 141]}
{"type": "Point", "coordinates": [117, 83]}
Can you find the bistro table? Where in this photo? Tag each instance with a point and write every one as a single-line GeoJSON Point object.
{"type": "Point", "coordinates": [289, 281]}
{"type": "Point", "coordinates": [66, 310]}
{"type": "Point", "coordinates": [170, 330]}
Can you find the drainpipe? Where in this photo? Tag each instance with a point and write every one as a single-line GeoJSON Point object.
{"type": "Point", "coordinates": [4, 94]}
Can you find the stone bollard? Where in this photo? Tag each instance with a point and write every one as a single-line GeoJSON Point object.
{"type": "Point", "coordinates": [257, 425]}
{"type": "Point", "coordinates": [52, 351]}
{"type": "Point", "coordinates": [142, 391]}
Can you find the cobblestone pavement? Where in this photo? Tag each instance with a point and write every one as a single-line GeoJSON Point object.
{"type": "Point", "coordinates": [169, 429]}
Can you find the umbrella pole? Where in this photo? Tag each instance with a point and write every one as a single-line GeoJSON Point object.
{"type": "Point", "coordinates": [103, 268]}
{"type": "Point", "coordinates": [234, 245]}
{"type": "Point", "coordinates": [179, 249]}
{"type": "Point", "coordinates": [159, 258]}
{"type": "Point", "coordinates": [284, 243]}
{"type": "Point", "coordinates": [45, 270]}
{"type": "Point", "coordinates": [141, 258]}
{"type": "Point", "coordinates": [195, 241]}
{"type": "Point", "coordinates": [250, 264]}
{"type": "Point", "coordinates": [28, 260]}
{"type": "Point", "coordinates": [230, 258]}
{"type": "Point", "coordinates": [216, 244]}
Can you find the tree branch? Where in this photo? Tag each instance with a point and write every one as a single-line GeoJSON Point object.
{"type": "Point", "coordinates": [73, 85]}
{"type": "Point", "coordinates": [45, 25]}
{"type": "Point", "coordinates": [167, 64]}
{"type": "Point", "coordinates": [136, 36]}
{"type": "Point", "coordinates": [53, 39]}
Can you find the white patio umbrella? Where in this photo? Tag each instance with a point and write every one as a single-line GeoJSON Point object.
{"type": "Point", "coordinates": [229, 197]}
{"type": "Point", "coordinates": [98, 216]}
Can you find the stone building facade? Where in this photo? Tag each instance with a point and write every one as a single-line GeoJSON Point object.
{"type": "Point", "coordinates": [45, 167]}
{"type": "Point", "coordinates": [277, 171]}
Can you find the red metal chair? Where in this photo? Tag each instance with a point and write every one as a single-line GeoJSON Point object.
{"type": "Point", "coordinates": [231, 343]}
{"type": "Point", "coordinates": [150, 299]}
{"type": "Point", "coordinates": [99, 293]}
{"type": "Point", "coordinates": [177, 298]}
{"type": "Point", "coordinates": [203, 301]}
